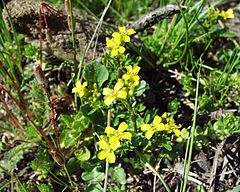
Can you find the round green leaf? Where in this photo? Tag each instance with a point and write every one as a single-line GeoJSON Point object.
{"type": "Point", "coordinates": [118, 175]}
{"type": "Point", "coordinates": [93, 176]}
{"type": "Point", "coordinates": [83, 154]}
{"type": "Point", "coordinates": [95, 73]}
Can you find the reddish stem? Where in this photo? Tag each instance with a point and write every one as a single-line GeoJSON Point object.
{"type": "Point", "coordinates": [17, 88]}
{"type": "Point", "coordinates": [53, 115]}
{"type": "Point", "coordinates": [11, 115]}
{"type": "Point", "coordinates": [10, 96]}
{"type": "Point", "coordinates": [40, 35]}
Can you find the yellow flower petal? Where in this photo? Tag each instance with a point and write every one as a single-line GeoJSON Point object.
{"type": "Point", "coordinates": [117, 40]}
{"type": "Point", "coordinates": [75, 90]}
{"type": "Point", "coordinates": [136, 78]}
{"type": "Point", "coordinates": [230, 13]}
{"type": "Point", "coordinates": [109, 42]}
{"type": "Point", "coordinates": [136, 83]}
{"type": "Point", "coordinates": [127, 135]}
{"type": "Point", "coordinates": [107, 91]}
{"type": "Point", "coordinates": [122, 94]}
{"type": "Point", "coordinates": [111, 157]}
{"type": "Point", "coordinates": [149, 134]}
{"type": "Point", "coordinates": [121, 49]}
{"type": "Point", "coordinates": [114, 52]}
{"type": "Point", "coordinates": [131, 32]}
{"type": "Point", "coordinates": [109, 130]}
{"type": "Point", "coordinates": [122, 127]}
{"type": "Point", "coordinates": [126, 77]}
{"type": "Point", "coordinates": [177, 132]}
{"type": "Point", "coordinates": [80, 88]}
{"type": "Point", "coordinates": [116, 35]}
{"type": "Point", "coordinates": [119, 85]}
{"type": "Point", "coordinates": [145, 127]}
{"type": "Point", "coordinates": [160, 127]}
{"type": "Point", "coordinates": [122, 29]}
{"type": "Point", "coordinates": [164, 115]}
{"type": "Point", "coordinates": [129, 69]}
{"type": "Point", "coordinates": [135, 70]}
{"type": "Point", "coordinates": [102, 155]}
{"type": "Point", "coordinates": [108, 100]}
{"type": "Point", "coordinates": [114, 143]}
{"type": "Point", "coordinates": [157, 120]}
{"type": "Point", "coordinates": [103, 144]}
{"type": "Point", "coordinates": [126, 38]}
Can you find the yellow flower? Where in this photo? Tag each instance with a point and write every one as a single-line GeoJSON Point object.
{"type": "Point", "coordinates": [108, 149]}
{"type": "Point", "coordinates": [131, 74]}
{"type": "Point", "coordinates": [116, 135]}
{"type": "Point", "coordinates": [80, 88]}
{"type": "Point", "coordinates": [227, 14]}
{"type": "Point", "coordinates": [131, 78]}
{"type": "Point", "coordinates": [115, 47]}
{"type": "Point", "coordinates": [156, 126]}
{"type": "Point", "coordinates": [172, 127]}
{"type": "Point", "coordinates": [123, 34]}
{"type": "Point", "coordinates": [116, 93]}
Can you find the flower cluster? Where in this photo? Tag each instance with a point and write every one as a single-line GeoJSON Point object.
{"type": "Point", "coordinates": [227, 14]}
{"type": "Point", "coordinates": [215, 14]}
{"type": "Point", "coordinates": [124, 87]}
{"type": "Point", "coordinates": [111, 142]}
{"type": "Point", "coordinates": [83, 90]}
{"type": "Point", "coordinates": [162, 123]}
{"type": "Point", "coordinates": [131, 78]}
{"type": "Point", "coordinates": [116, 93]}
{"type": "Point", "coordinates": [118, 40]}
{"type": "Point", "coordinates": [80, 88]}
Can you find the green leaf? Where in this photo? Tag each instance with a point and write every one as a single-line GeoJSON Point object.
{"type": "Point", "coordinates": [73, 165]}
{"type": "Point", "coordinates": [67, 120]}
{"type": "Point", "coordinates": [83, 154]}
{"type": "Point", "coordinates": [32, 133]}
{"type": "Point", "coordinates": [45, 188]}
{"type": "Point", "coordinates": [95, 73]}
{"type": "Point", "coordinates": [141, 88]}
{"type": "Point", "coordinates": [184, 133]}
{"type": "Point", "coordinates": [14, 155]}
{"type": "Point", "coordinates": [94, 176]}
{"type": "Point", "coordinates": [201, 188]}
{"type": "Point", "coordinates": [118, 175]}
{"type": "Point", "coordinates": [94, 188]}
{"type": "Point", "coordinates": [69, 137]}
{"type": "Point", "coordinates": [167, 146]}
{"type": "Point", "coordinates": [235, 189]}
{"type": "Point", "coordinates": [228, 34]}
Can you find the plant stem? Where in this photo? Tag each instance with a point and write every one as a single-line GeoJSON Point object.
{"type": "Point", "coordinates": [133, 117]}
{"type": "Point", "coordinates": [188, 156]}
{"type": "Point", "coordinates": [73, 39]}
{"type": "Point", "coordinates": [68, 176]}
{"type": "Point", "coordinates": [159, 176]}
{"type": "Point", "coordinates": [17, 88]}
{"type": "Point", "coordinates": [11, 115]}
{"type": "Point", "coordinates": [107, 163]}
{"type": "Point", "coordinates": [99, 24]}
{"type": "Point", "coordinates": [106, 176]}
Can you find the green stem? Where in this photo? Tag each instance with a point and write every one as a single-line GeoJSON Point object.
{"type": "Point", "coordinates": [191, 139]}
{"type": "Point", "coordinates": [68, 176]}
{"type": "Point", "coordinates": [73, 40]}
{"type": "Point", "coordinates": [133, 117]}
{"type": "Point", "coordinates": [159, 176]}
{"type": "Point", "coordinates": [106, 176]}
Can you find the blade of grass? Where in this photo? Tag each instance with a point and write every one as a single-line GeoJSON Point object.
{"type": "Point", "coordinates": [16, 40]}
{"type": "Point", "coordinates": [189, 148]}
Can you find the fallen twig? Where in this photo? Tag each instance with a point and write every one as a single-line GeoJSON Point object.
{"type": "Point", "coordinates": [155, 16]}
